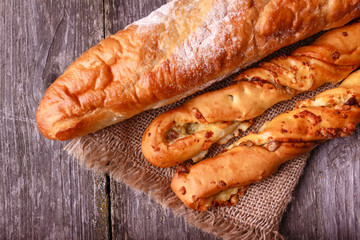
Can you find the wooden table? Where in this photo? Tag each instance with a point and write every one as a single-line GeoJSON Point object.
{"type": "Point", "coordinates": [46, 194]}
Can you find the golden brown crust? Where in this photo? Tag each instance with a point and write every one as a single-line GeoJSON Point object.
{"type": "Point", "coordinates": [329, 59]}
{"type": "Point", "coordinates": [182, 47]}
{"type": "Point", "coordinates": [330, 114]}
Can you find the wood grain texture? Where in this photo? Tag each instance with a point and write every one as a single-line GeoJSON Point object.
{"type": "Point", "coordinates": [326, 203]}
{"type": "Point", "coordinates": [134, 215]}
{"type": "Point", "coordinates": [44, 193]}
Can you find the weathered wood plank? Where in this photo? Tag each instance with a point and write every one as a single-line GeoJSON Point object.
{"type": "Point", "coordinates": [44, 193]}
{"type": "Point", "coordinates": [326, 204]}
{"type": "Point", "coordinates": [134, 215]}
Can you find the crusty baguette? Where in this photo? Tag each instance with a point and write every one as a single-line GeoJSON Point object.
{"type": "Point", "coordinates": [189, 130]}
{"type": "Point", "coordinates": [330, 114]}
{"type": "Point", "coordinates": [182, 47]}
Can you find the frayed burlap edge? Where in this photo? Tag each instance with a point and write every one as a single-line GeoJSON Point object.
{"type": "Point", "coordinates": [90, 151]}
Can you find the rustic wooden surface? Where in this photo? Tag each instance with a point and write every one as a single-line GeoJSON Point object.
{"type": "Point", "coordinates": [46, 194]}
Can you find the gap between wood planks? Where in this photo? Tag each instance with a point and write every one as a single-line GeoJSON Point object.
{"type": "Point", "coordinates": [107, 177]}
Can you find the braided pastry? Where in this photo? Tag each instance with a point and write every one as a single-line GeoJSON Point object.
{"type": "Point", "coordinates": [221, 179]}
{"type": "Point", "coordinates": [189, 130]}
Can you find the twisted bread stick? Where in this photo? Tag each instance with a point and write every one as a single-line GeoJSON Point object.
{"type": "Point", "coordinates": [189, 130]}
{"type": "Point", "coordinates": [216, 181]}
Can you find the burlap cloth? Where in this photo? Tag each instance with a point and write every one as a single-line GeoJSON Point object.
{"type": "Point", "coordinates": [117, 150]}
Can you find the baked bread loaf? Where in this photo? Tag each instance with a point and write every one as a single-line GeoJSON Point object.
{"type": "Point", "coordinates": [189, 130]}
{"type": "Point", "coordinates": [180, 48]}
{"type": "Point", "coordinates": [216, 181]}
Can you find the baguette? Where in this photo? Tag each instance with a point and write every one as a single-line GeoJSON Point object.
{"type": "Point", "coordinates": [189, 130]}
{"type": "Point", "coordinates": [216, 181]}
{"type": "Point", "coordinates": [180, 48]}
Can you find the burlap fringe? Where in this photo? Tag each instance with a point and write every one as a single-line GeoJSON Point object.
{"type": "Point", "coordinates": [93, 156]}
